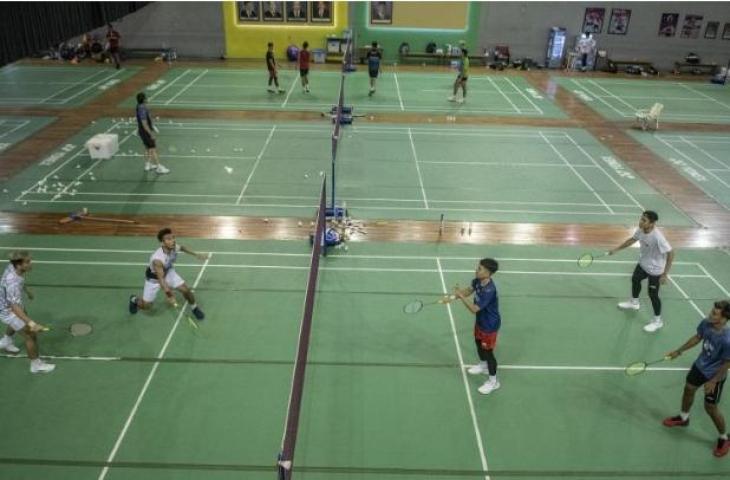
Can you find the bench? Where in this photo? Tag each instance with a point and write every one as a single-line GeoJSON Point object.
{"type": "Point", "coordinates": [441, 59]}
{"type": "Point", "coordinates": [709, 68]}
{"type": "Point", "coordinates": [613, 65]}
{"type": "Point", "coordinates": [167, 54]}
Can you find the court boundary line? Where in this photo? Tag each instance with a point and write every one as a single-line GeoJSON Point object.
{"type": "Point", "coordinates": [397, 89]}
{"type": "Point", "coordinates": [167, 103]}
{"type": "Point", "coordinates": [539, 110]}
{"type": "Point", "coordinates": [256, 164]}
{"type": "Point", "coordinates": [696, 163]}
{"type": "Point", "coordinates": [704, 152]}
{"type": "Point", "coordinates": [501, 92]}
{"type": "Point", "coordinates": [171, 82]}
{"type": "Point", "coordinates": [418, 170]}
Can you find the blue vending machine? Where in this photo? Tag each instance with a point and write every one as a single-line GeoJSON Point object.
{"type": "Point", "coordinates": [556, 47]}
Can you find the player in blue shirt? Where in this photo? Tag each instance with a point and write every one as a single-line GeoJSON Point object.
{"type": "Point", "coordinates": [486, 308]}
{"type": "Point", "coordinates": [373, 57]}
{"type": "Point", "coordinates": [710, 369]}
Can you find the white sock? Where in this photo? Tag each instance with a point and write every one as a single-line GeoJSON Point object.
{"type": "Point", "coordinates": [684, 415]}
{"type": "Point", "coordinates": [492, 379]}
{"type": "Point", "coordinates": [36, 361]}
{"type": "Point", "coordinates": [723, 436]}
{"type": "Point", "coordinates": [193, 306]}
{"type": "Point", "coordinates": [6, 339]}
{"type": "Point", "coordinates": [635, 301]}
{"type": "Point", "coordinates": [658, 318]}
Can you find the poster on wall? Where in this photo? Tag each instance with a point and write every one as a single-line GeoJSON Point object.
{"type": "Point", "coordinates": [321, 12]}
{"type": "Point", "coordinates": [296, 12]}
{"type": "Point", "coordinates": [593, 20]}
{"type": "Point", "coordinates": [249, 11]}
{"type": "Point", "coordinates": [381, 13]}
{"type": "Point", "coordinates": [726, 32]}
{"type": "Point", "coordinates": [691, 27]}
{"type": "Point", "coordinates": [619, 23]}
{"type": "Point", "coordinates": [668, 24]}
{"type": "Point", "coordinates": [711, 29]}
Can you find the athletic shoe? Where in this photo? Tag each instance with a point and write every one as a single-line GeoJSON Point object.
{"type": "Point", "coordinates": [459, 100]}
{"type": "Point", "coordinates": [39, 366]}
{"type": "Point", "coordinates": [282, 91]}
{"type": "Point", "coordinates": [477, 369]}
{"type": "Point", "coordinates": [675, 421]}
{"type": "Point", "coordinates": [488, 387]}
{"type": "Point", "coordinates": [653, 326]}
{"type": "Point", "coordinates": [148, 166]}
{"type": "Point", "coordinates": [270, 90]}
{"type": "Point", "coordinates": [629, 305]}
{"type": "Point", "coordinates": [161, 169]}
{"type": "Point", "coordinates": [452, 98]}
{"type": "Point", "coordinates": [133, 305]}
{"type": "Point", "coordinates": [723, 446]}
{"type": "Point", "coordinates": [7, 345]}
{"type": "Point", "coordinates": [306, 89]}
{"type": "Point", "coordinates": [198, 314]}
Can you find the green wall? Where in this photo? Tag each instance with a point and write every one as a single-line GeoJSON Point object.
{"type": "Point", "coordinates": [390, 38]}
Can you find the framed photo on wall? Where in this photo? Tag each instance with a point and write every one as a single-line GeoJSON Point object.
{"type": "Point", "coordinates": [593, 20]}
{"type": "Point", "coordinates": [273, 11]}
{"type": "Point", "coordinates": [668, 24]}
{"type": "Point", "coordinates": [726, 32]}
{"type": "Point", "coordinates": [619, 23]}
{"type": "Point", "coordinates": [296, 12]}
{"type": "Point", "coordinates": [321, 12]}
{"type": "Point", "coordinates": [381, 13]}
{"type": "Point", "coordinates": [691, 27]}
{"type": "Point", "coordinates": [711, 29]}
{"type": "Point", "coordinates": [249, 11]}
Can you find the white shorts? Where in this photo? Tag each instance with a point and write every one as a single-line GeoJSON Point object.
{"type": "Point", "coordinates": [12, 321]}
{"type": "Point", "coordinates": [151, 287]}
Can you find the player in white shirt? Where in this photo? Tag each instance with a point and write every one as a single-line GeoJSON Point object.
{"type": "Point", "coordinates": [655, 260]}
{"type": "Point", "coordinates": [161, 274]}
{"type": "Point", "coordinates": [12, 313]}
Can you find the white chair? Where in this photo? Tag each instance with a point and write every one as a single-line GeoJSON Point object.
{"type": "Point", "coordinates": [645, 117]}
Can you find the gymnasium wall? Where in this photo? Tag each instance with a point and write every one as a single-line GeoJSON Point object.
{"type": "Point", "coordinates": [249, 40]}
{"type": "Point", "coordinates": [524, 27]}
{"type": "Point", "coordinates": [418, 23]}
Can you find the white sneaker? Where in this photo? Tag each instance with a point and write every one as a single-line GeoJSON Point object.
{"type": "Point", "coordinates": [39, 366]}
{"type": "Point", "coordinates": [161, 169]}
{"type": "Point", "coordinates": [477, 369]}
{"type": "Point", "coordinates": [653, 326]}
{"type": "Point", "coordinates": [452, 98]}
{"type": "Point", "coordinates": [488, 387]}
{"type": "Point", "coordinates": [282, 90]}
{"type": "Point", "coordinates": [148, 166]}
{"type": "Point", "coordinates": [460, 100]}
{"type": "Point", "coordinates": [629, 305]}
{"type": "Point", "coordinates": [8, 346]}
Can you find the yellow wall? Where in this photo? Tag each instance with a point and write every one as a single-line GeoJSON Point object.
{"type": "Point", "coordinates": [439, 15]}
{"type": "Point", "coordinates": [249, 41]}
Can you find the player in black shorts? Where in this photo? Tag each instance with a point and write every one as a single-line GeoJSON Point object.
{"type": "Point", "coordinates": [146, 133]}
{"type": "Point", "coordinates": [271, 67]}
{"type": "Point", "coordinates": [373, 57]}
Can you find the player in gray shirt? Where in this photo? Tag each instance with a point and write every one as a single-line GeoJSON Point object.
{"type": "Point", "coordinates": [655, 260]}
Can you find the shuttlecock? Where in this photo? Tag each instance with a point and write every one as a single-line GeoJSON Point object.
{"type": "Point", "coordinates": [266, 220]}
{"type": "Point", "coordinates": [228, 169]}
{"type": "Point", "coordinates": [55, 177]}
{"type": "Point", "coordinates": [306, 175]}
{"type": "Point", "coordinates": [299, 224]}
{"type": "Point", "coordinates": [25, 203]}
{"type": "Point", "coordinates": [321, 173]}
{"type": "Point", "coordinates": [207, 150]}
{"type": "Point", "coordinates": [192, 150]}
{"type": "Point", "coordinates": [78, 166]}
{"type": "Point", "coordinates": [5, 190]}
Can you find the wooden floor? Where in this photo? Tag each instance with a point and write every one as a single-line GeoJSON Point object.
{"type": "Point", "coordinates": [713, 221]}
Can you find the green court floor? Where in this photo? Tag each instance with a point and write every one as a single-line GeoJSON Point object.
{"type": "Point", "coordinates": [57, 86]}
{"type": "Point", "coordinates": [234, 89]}
{"type": "Point", "coordinates": [386, 394]}
{"type": "Point", "coordinates": [14, 129]}
{"type": "Point", "coordinates": [619, 99]}
{"type": "Point", "coordinates": [702, 158]}
{"type": "Point", "coordinates": [383, 171]}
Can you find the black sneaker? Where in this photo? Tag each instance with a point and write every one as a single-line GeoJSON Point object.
{"type": "Point", "coordinates": [199, 315]}
{"type": "Point", "coordinates": [133, 304]}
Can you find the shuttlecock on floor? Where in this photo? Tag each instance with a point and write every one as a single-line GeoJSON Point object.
{"type": "Point", "coordinates": [228, 169]}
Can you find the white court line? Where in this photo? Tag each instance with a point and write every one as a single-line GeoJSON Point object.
{"type": "Point", "coordinates": [82, 149]}
{"type": "Point", "coordinates": [397, 89]}
{"type": "Point", "coordinates": [705, 95]}
{"type": "Point", "coordinates": [173, 155]}
{"type": "Point", "coordinates": [504, 164]}
{"type": "Point", "coordinates": [583, 180]}
{"type": "Point", "coordinates": [291, 89]}
{"type": "Point", "coordinates": [609, 105]}
{"type": "Point", "coordinates": [71, 86]}
{"type": "Point", "coordinates": [686, 297]}
{"type": "Point", "coordinates": [597, 85]}
{"type": "Point", "coordinates": [256, 164]}
{"type": "Point", "coordinates": [22, 124]}
{"type": "Point", "coordinates": [105, 79]}
{"type": "Point", "coordinates": [509, 80]}
{"type": "Point", "coordinates": [615, 182]}
{"type": "Point", "coordinates": [714, 280]}
{"type": "Point", "coordinates": [149, 99]}
{"type": "Point", "coordinates": [151, 375]}
{"type": "Point", "coordinates": [694, 162]}
{"type": "Point", "coordinates": [186, 86]}
{"type": "Point", "coordinates": [467, 387]}
{"type": "Point", "coordinates": [496, 87]}
{"type": "Point", "coordinates": [418, 169]}
{"type": "Point", "coordinates": [705, 152]}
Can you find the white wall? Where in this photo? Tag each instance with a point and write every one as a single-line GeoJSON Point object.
{"type": "Point", "coordinates": [524, 27]}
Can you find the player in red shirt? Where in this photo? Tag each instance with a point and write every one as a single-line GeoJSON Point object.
{"type": "Point", "coordinates": [113, 37]}
{"type": "Point", "coordinates": [304, 66]}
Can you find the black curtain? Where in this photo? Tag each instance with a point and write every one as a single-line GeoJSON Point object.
{"type": "Point", "coordinates": [30, 27]}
